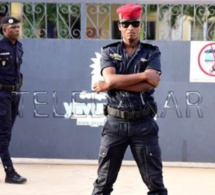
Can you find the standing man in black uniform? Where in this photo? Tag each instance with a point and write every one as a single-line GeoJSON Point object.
{"type": "Point", "coordinates": [131, 71]}
{"type": "Point", "coordinates": [10, 82]}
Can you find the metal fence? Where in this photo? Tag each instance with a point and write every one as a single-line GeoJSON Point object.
{"type": "Point", "coordinates": [93, 20]}
{"type": "Point", "coordinates": [56, 117]}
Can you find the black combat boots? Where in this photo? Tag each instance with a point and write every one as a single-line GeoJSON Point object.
{"type": "Point", "coordinates": [13, 177]}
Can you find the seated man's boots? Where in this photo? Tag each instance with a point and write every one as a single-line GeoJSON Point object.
{"type": "Point", "coordinates": [13, 177]}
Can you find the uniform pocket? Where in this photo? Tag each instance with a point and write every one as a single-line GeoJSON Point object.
{"type": "Point", "coordinates": [5, 60]}
{"type": "Point", "coordinates": [155, 126]}
{"type": "Point", "coordinates": [103, 151]}
{"type": "Point", "coordinates": [140, 67]}
{"type": "Point", "coordinates": [153, 159]}
{"type": "Point", "coordinates": [153, 151]}
{"type": "Point", "coordinates": [110, 127]}
{"type": "Point", "coordinates": [146, 126]}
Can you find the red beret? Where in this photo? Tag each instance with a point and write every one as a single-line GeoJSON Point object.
{"type": "Point", "coordinates": [129, 12]}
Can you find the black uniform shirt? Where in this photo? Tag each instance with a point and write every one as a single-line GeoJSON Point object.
{"type": "Point", "coordinates": [146, 57]}
{"type": "Point", "coordinates": [10, 61]}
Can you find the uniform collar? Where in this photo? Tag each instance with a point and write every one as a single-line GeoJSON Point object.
{"type": "Point", "coordinates": [137, 48]}
{"type": "Point", "coordinates": [8, 40]}
{"type": "Point", "coordinates": [138, 44]}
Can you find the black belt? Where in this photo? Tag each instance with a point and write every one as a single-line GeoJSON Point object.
{"type": "Point", "coordinates": [10, 87]}
{"type": "Point", "coordinates": [128, 114]}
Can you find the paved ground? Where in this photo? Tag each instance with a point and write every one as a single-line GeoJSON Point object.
{"type": "Point", "coordinates": [73, 179]}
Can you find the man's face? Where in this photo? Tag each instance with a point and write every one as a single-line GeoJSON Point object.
{"type": "Point", "coordinates": [11, 31]}
{"type": "Point", "coordinates": [130, 29]}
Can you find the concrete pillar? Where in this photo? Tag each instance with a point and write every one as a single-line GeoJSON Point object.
{"type": "Point", "coordinates": [16, 11]}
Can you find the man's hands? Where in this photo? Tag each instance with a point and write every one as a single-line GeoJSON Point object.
{"type": "Point", "coordinates": [152, 77]}
{"type": "Point", "coordinates": [100, 86]}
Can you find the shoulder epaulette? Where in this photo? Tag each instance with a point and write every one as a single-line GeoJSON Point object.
{"type": "Point", "coordinates": [112, 44]}
{"type": "Point", "coordinates": [149, 45]}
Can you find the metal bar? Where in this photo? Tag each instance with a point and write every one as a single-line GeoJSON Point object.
{"type": "Point", "coordinates": [186, 2]}
{"type": "Point", "coordinates": [83, 19]}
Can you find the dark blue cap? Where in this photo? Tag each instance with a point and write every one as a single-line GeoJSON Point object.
{"type": "Point", "coordinates": [8, 20]}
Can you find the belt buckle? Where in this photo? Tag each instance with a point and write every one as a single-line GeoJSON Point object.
{"type": "Point", "coordinates": [123, 114]}
{"type": "Point", "coordinates": [13, 88]}
{"type": "Point", "coordinates": [129, 115]}
{"type": "Point", "coordinates": [135, 114]}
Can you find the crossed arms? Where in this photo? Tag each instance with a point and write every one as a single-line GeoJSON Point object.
{"type": "Point", "coordinates": [138, 82]}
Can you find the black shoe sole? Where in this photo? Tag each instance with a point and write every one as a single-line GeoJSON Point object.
{"type": "Point", "coordinates": [12, 182]}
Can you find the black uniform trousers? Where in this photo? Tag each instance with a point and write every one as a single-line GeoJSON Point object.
{"type": "Point", "coordinates": [9, 105]}
{"type": "Point", "coordinates": [142, 137]}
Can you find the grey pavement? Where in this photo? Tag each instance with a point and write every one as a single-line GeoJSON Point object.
{"type": "Point", "coordinates": [61, 177]}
